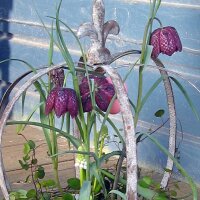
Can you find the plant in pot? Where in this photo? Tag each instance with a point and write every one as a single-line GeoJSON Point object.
{"type": "Point", "coordinates": [97, 90]}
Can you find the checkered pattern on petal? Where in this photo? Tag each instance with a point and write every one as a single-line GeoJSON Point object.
{"type": "Point", "coordinates": [72, 104]}
{"type": "Point", "coordinates": [167, 42]}
{"type": "Point", "coordinates": [62, 100]}
{"type": "Point", "coordinates": [176, 38]}
{"type": "Point", "coordinates": [155, 42]}
{"type": "Point", "coordinates": [50, 101]}
{"type": "Point", "coordinates": [60, 106]}
{"type": "Point", "coordinates": [104, 91]}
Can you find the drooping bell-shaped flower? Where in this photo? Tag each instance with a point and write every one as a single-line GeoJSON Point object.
{"type": "Point", "coordinates": [165, 40]}
{"type": "Point", "coordinates": [62, 100]}
{"type": "Point", "coordinates": [104, 91]}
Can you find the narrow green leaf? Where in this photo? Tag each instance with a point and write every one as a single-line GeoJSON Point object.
{"type": "Point", "coordinates": [44, 121]}
{"type": "Point", "coordinates": [68, 125]}
{"type": "Point", "coordinates": [144, 192]}
{"type": "Point", "coordinates": [21, 127]}
{"type": "Point", "coordinates": [104, 130]}
{"type": "Point", "coordinates": [62, 121]}
{"type": "Point", "coordinates": [145, 182]}
{"type": "Point", "coordinates": [132, 105]}
{"type": "Point", "coordinates": [78, 123]}
{"type": "Point", "coordinates": [108, 155]}
{"type": "Point", "coordinates": [50, 52]}
{"type": "Point", "coordinates": [76, 142]}
{"type": "Point", "coordinates": [177, 164]}
{"type": "Point", "coordinates": [40, 90]}
{"type": "Point", "coordinates": [66, 53]}
{"type": "Point", "coordinates": [149, 49]}
{"type": "Point", "coordinates": [150, 91]}
{"type": "Point", "coordinates": [95, 171]}
{"type": "Point", "coordinates": [186, 97]}
{"type": "Point", "coordinates": [117, 192]}
{"type": "Point", "coordinates": [85, 191]}
{"type": "Point", "coordinates": [112, 124]}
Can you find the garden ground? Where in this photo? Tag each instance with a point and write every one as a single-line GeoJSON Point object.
{"type": "Point", "coordinates": [13, 151]}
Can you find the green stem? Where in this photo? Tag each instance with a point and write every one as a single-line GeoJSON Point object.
{"type": "Point", "coordinates": [56, 175]}
{"type": "Point", "coordinates": [87, 145]}
{"type": "Point", "coordinates": [99, 153]}
{"type": "Point", "coordinates": [81, 114]}
{"type": "Point", "coordinates": [139, 98]}
{"type": "Point", "coordinates": [95, 137]}
{"type": "Point", "coordinates": [54, 152]}
{"type": "Point", "coordinates": [88, 161]}
{"type": "Point", "coordinates": [146, 38]}
{"type": "Point", "coordinates": [82, 176]}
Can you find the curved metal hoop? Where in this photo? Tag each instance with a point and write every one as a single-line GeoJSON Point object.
{"type": "Point", "coordinates": [170, 99]}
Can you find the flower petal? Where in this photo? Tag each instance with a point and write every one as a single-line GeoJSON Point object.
{"type": "Point", "coordinates": [86, 103]}
{"type": "Point", "coordinates": [61, 102]}
{"type": "Point", "coordinates": [176, 38]}
{"type": "Point", "coordinates": [84, 88]}
{"type": "Point", "coordinates": [155, 42]}
{"type": "Point", "coordinates": [72, 104]}
{"type": "Point", "coordinates": [102, 99]}
{"type": "Point", "coordinates": [108, 89]}
{"type": "Point", "coordinates": [167, 42]}
{"type": "Point", "coordinates": [50, 101]}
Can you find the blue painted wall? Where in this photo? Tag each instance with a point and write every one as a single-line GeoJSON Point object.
{"type": "Point", "coordinates": [30, 43]}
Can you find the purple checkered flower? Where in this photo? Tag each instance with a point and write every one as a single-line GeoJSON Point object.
{"type": "Point", "coordinates": [104, 91]}
{"type": "Point", "coordinates": [62, 100]}
{"type": "Point", "coordinates": [165, 40]}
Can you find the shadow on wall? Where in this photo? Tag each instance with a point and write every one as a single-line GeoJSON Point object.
{"type": "Point", "coordinates": [5, 9]}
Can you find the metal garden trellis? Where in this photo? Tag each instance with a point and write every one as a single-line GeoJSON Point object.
{"type": "Point", "coordinates": [98, 31]}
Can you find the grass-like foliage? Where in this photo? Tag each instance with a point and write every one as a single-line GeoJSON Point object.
{"type": "Point", "coordinates": [84, 97]}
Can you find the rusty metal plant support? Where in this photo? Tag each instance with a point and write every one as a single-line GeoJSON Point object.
{"type": "Point", "coordinates": [172, 121]}
{"type": "Point", "coordinates": [98, 32]}
{"type": "Point", "coordinates": [128, 125]}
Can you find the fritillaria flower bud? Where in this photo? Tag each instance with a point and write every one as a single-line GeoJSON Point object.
{"type": "Point", "coordinates": [62, 100]}
{"type": "Point", "coordinates": [104, 91]}
{"type": "Point", "coordinates": [165, 40]}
